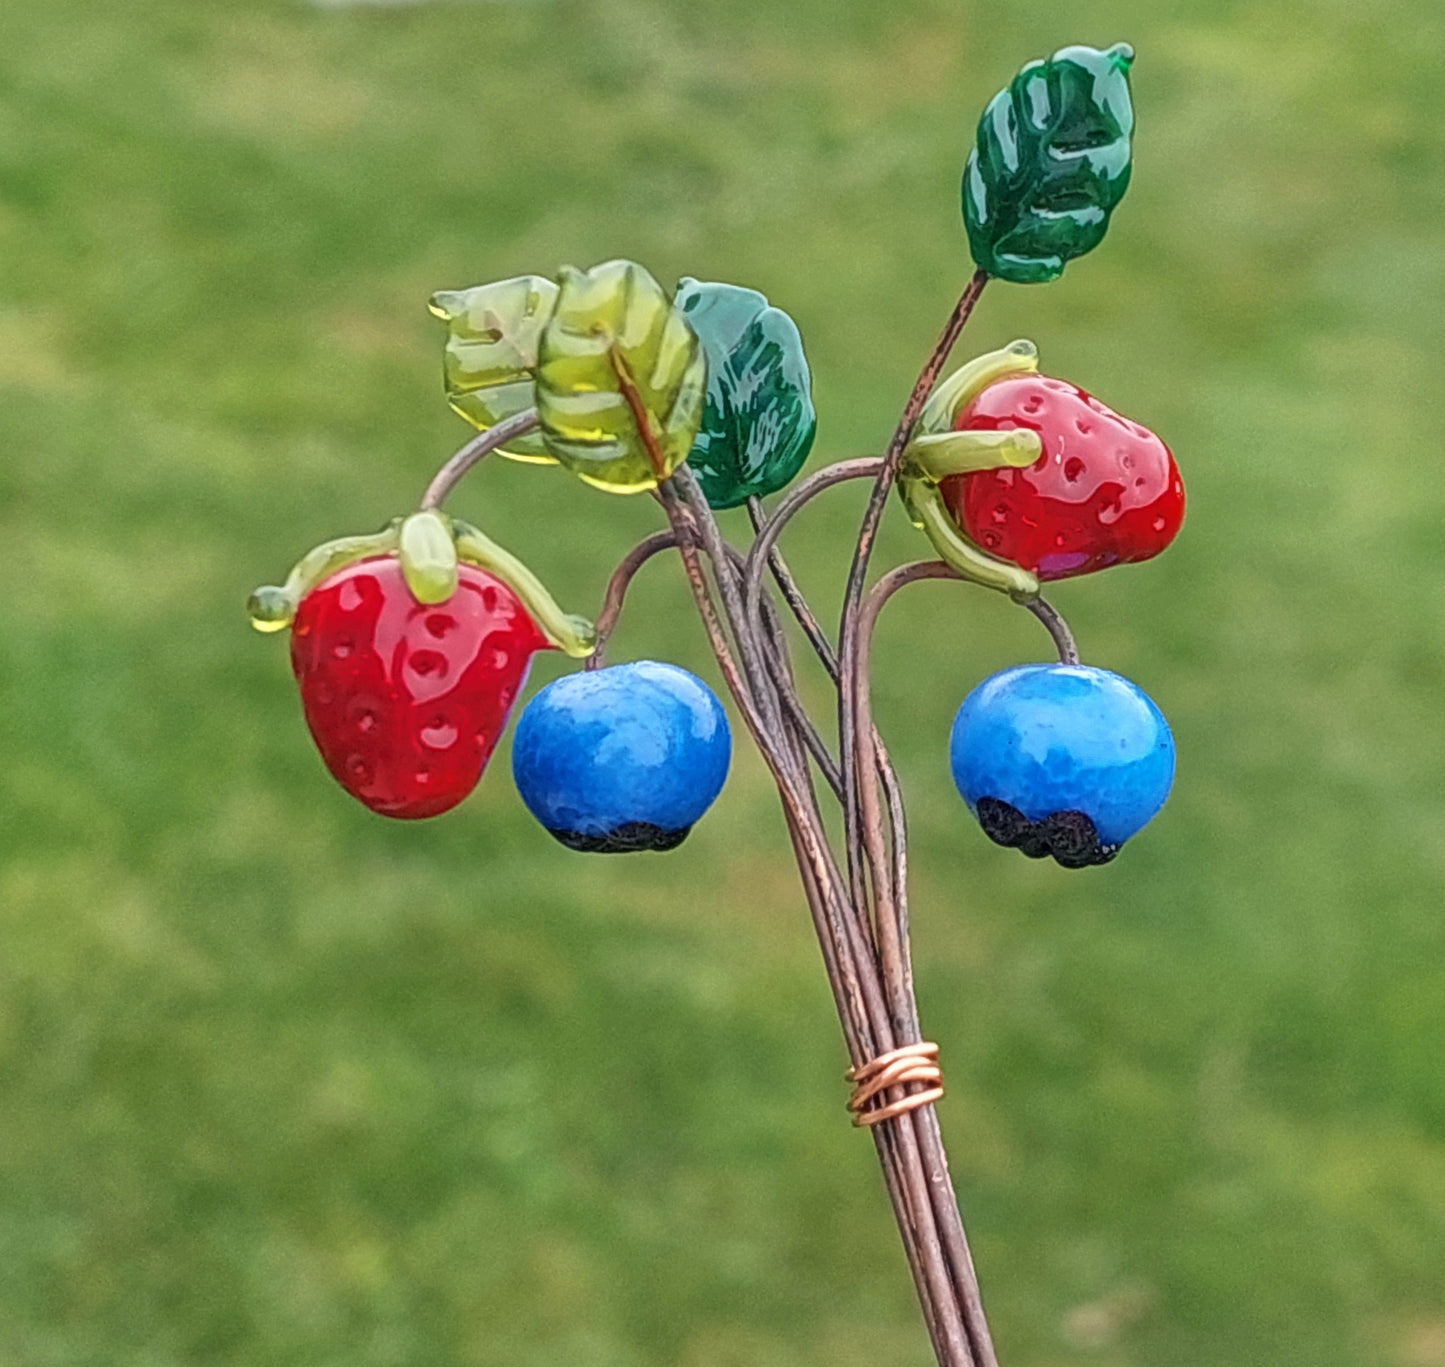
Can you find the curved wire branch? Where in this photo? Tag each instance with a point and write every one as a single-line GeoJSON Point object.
{"type": "Point", "coordinates": [893, 943]}
{"type": "Point", "coordinates": [476, 450]}
{"type": "Point", "coordinates": [908, 1145]}
{"type": "Point", "coordinates": [793, 595]}
{"type": "Point", "coordinates": [1057, 628]}
{"type": "Point", "coordinates": [897, 835]}
{"type": "Point", "coordinates": [866, 467]}
{"type": "Point", "coordinates": [612, 605]}
{"type": "Point", "coordinates": [867, 534]}
{"type": "Point", "coordinates": [922, 387]}
{"type": "Point", "coordinates": [617, 587]}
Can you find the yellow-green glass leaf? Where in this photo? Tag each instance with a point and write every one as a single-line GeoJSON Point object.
{"type": "Point", "coordinates": [621, 379]}
{"type": "Point", "coordinates": [490, 362]}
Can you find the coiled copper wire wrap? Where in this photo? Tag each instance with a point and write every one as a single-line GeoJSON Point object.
{"type": "Point", "coordinates": [913, 1063]}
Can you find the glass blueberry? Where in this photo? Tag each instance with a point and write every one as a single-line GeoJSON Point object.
{"type": "Point", "coordinates": [624, 758]}
{"type": "Point", "coordinates": [1061, 760]}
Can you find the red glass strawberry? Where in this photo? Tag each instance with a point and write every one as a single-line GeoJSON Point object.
{"type": "Point", "coordinates": [1105, 491]}
{"type": "Point", "coordinates": [1017, 477]}
{"type": "Point", "coordinates": [410, 648]}
{"type": "Point", "coordinates": [405, 700]}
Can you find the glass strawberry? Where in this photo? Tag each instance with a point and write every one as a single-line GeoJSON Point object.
{"type": "Point", "coordinates": [1018, 478]}
{"type": "Point", "coordinates": [1104, 491]}
{"type": "Point", "coordinates": [410, 648]}
{"type": "Point", "coordinates": [405, 700]}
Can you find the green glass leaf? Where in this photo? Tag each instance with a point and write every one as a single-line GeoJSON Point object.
{"type": "Point", "coordinates": [621, 379]}
{"type": "Point", "coordinates": [490, 362]}
{"type": "Point", "coordinates": [1051, 163]}
{"type": "Point", "coordinates": [758, 424]}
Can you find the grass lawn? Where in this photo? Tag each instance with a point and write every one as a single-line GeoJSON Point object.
{"type": "Point", "coordinates": [283, 1084]}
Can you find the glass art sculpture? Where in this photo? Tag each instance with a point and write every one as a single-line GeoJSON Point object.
{"type": "Point", "coordinates": [411, 645]}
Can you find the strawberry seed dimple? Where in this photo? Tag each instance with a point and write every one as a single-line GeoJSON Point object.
{"type": "Point", "coordinates": [496, 658]}
{"type": "Point", "coordinates": [342, 648]}
{"type": "Point", "coordinates": [366, 721]}
{"type": "Point", "coordinates": [439, 734]}
{"type": "Point", "coordinates": [489, 598]}
{"type": "Point", "coordinates": [438, 624]}
{"type": "Point", "coordinates": [1073, 469]}
{"type": "Point", "coordinates": [357, 769]}
{"type": "Point", "coordinates": [427, 662]}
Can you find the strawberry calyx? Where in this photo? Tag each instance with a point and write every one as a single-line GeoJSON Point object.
{"type": "Point", "coordinates": [427, 550]}
{"type": "Point", "coordinates": [272, 607]}
{"type": "Point", "coordinates": [429, 546]}
{"type": "Point", "coordinates": [937, 451]}
{"type": "Point", "coordinates": [571, 634]}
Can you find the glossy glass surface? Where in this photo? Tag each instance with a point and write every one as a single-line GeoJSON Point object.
{"type": "Point", "coordinates": [1047, 739]}
{"type": "Point", "coordinates": [614, 330]}
{"type": "Point", "coordinates": [623, 758]}
{"type": "Point", "coordinates": [405, 700]}
{"type": "Point", "coordinates": [1050, 165]}
{"type": "Point", "coordinates": [758, 424]}
{"type": "Point", "coordinates": [1105, 491]}
{"type": "Point", "coordinates": [490, 363]}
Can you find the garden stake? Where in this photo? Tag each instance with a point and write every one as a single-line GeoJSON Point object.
{"type": "Point", "coordinates": [704, 400]}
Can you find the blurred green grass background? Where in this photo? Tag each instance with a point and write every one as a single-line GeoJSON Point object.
{"type": "Point", "coordinates": [281, 1083]}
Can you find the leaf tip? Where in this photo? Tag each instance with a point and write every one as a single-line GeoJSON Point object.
{"type": "Point", "coordinates": [1122, 55]}
{"type": "Point", "coordinates": [445, 304]}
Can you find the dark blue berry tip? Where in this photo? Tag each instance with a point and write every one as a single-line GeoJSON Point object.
{"type": "Point", "coordinates": [1070, 837]}
{"type": "Point", "coordinates": [633, 837]}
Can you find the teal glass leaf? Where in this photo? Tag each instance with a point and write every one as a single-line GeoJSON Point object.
{"type": "Point", "coordinates": [1051, 163]}
{"type": "Point", "coordinates": [758, 424]}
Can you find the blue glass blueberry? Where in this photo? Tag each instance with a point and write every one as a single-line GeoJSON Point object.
{"type": "Point", "coordinates": [621, 759]}
{"type": "Point", "coordinates": [1061, 760]}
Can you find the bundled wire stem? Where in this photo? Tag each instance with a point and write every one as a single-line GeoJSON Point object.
{"type": "Point", "coordinates": [859, 908]}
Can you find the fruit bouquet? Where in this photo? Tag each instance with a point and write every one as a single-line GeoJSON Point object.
{"type": "Point", "coordinates": [411, 645]}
